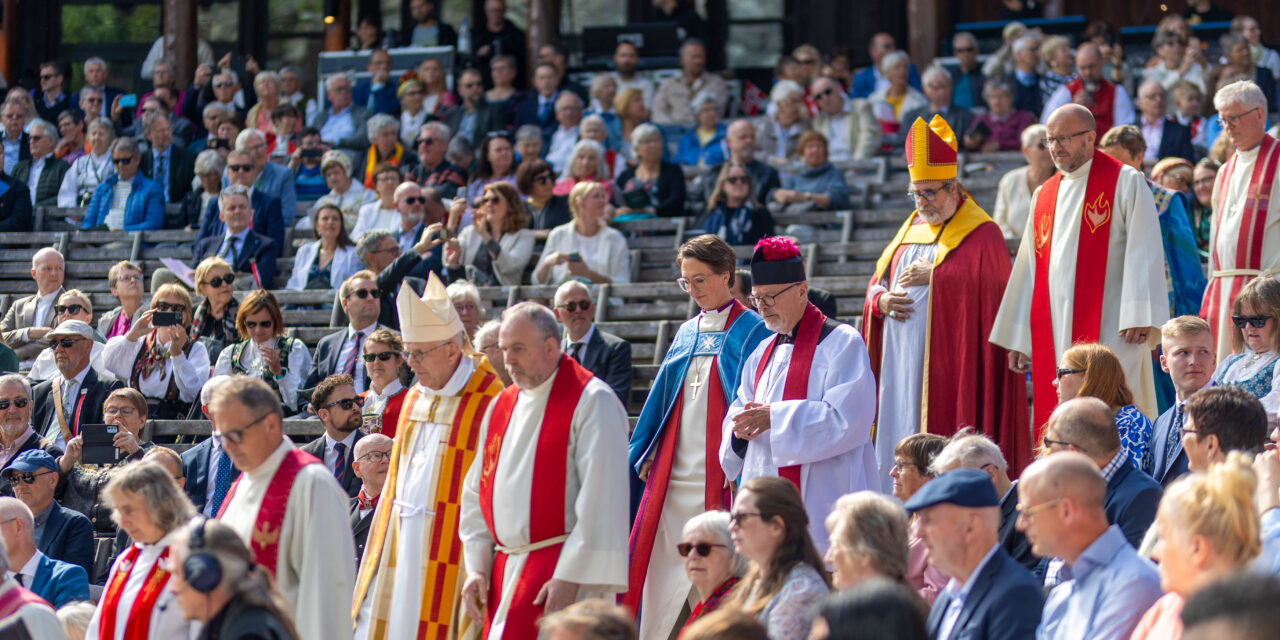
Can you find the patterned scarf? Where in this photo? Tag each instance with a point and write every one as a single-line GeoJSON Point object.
{"type": "Point", "coordinates": [373, 161]}
{"type": "Point", "coordinates": [365, 502]}
{"type": "Point", "coordinates": [202, 322]}
{"type": "Point", "coordinates": [713, 601]}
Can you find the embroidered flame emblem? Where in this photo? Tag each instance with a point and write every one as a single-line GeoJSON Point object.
{"type": "Point", "coordinates": [1044, 229]}
{"type": "Point", "coordinates": [265, 536]}
{"type": "Point", "coordinates": [1097, 213]}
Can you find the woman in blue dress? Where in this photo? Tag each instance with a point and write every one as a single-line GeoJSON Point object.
{"type": "Point", "coordinates": [1092, 369]}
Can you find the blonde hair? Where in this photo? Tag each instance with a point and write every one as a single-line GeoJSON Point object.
{"type": "Point", "coordinates": [1218, 505]}
{"type": "Point", "coordinates": [1262, 294]}
{"type": "Point", "coordinates": [80, 295]}
{"type": "Point", "coordinates": [580, 192]}
{"type": "Point", "coordinates": [1183, 326]}
{"type": "Point", "coordinates": [1049, 48]}
{"type": "Point", "coordinates": [875, 526]}
{"type": "Point", "coordinates": [207, 265]}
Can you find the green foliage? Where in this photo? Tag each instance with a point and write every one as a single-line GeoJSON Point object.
{"type": "Point", "coordinates": [103, 23]}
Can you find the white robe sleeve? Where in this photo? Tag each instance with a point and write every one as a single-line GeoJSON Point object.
{"type": "Point", "coordinates": [321, 556]}
{"type": "Point", "coordinates": [477, 543]}
{"type": "Point", "coordinates": [730, 462]}
{"type": "Point", "coordinates": [191, 371]}
{"type": "Point", "coordinates": [118, 356]}
{"type": "Point", "coordinates": [1144, 293]}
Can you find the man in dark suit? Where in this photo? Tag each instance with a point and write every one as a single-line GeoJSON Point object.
{"type": "Point", "coordinates": [268, 212]}
{"type": "Point", "coordinates": [939, 89]}
{"type": "Point", "coordinates": [206, 466]}
{"type": "Point", "coordinates": [239, 244]}
{"type": "Point", "coordinates": [475, 117]}
{"type": "Point", "coordinates": [15, 204]}
{"type": "Point", "coordinates": [378, 94]}
{"type": "Point", "coordinates": [168, 164]}
{"type": "Point", "coordinates": [1087, 425]}
{"type": "Point", "coordinates": [56, 581]}
{"type": "Point", "coordinates": [337, 405]}
{"type": "Point", "coordinates": [16, 433]}
{"type": "Point", "coordinates": [60, 533]}
{"type": "Point", "coordinates": [74, 397]}
{"type": "Point", "coordinates": [990, 595]}
{"type": "Point", "coordinates": [29, 319]}
{"type": "Point", "coordinates": [866, 81]}
{"type": "Point", "coordinates": [601, 352]}
{"type": "Point", "coordinates": [426, 29]}
{"type": "Point", "coordinates": [372, 457]}
{"type": "Point", "coordinates": [48, 170]}
{"type": "Point", "coordinates": [1165, 136]}
{"type": "Point", "coordinates": [539, 106]}
{"type": "Point", "coordinates": [1189, 356]}
{"type": "Point", "coordinates": [340, 352]}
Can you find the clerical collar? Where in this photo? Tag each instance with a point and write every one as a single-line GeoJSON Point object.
{"type": "Point", "coordinates": [721, 309]}
{"type": "Point", "coordinates": [1081, 171]}
{"type": "Point", "coordinates": [786, 338]}
{"type": "Point", "coordinates": [459, 378]}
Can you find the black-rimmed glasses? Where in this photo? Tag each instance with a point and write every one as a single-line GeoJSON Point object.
{"type": "Point", "coordinates": [236, 436]}
{"type": "Point", "coordinates": [768, 299]}
{"type": "Point", "coordinates": [1257, 322]}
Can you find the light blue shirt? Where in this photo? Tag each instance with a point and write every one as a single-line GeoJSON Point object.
{"type": "Point", "coordinates": [958, 594]}
{"type": "Point", "coordinates": [338, 126]}
{"type": "Point", "coordinates": [240, 238]}
{"type": "Point", "coordinates": [11, 150]}
{"type": "Point", "coordinates": [1269, 560]}
{"type": "Point", "coordinates": [1106, 593]}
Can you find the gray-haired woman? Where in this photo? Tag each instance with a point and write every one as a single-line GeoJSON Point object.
{"type": "Point", "coordinates": [384, 146]}
{"type": "Point", "coordinates": [91, 169]}
{"type": "Point", "coordinates": [209, 167]}
{"type": "Point", "coordinates": [710, 561]}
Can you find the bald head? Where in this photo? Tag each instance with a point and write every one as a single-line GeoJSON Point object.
{"type": "Point", "coordinates": [372, 442]}
{"type": "Point", "coordinates": [1087, 424]}
{"type": "Point", "coordinates": [1089, 62]}
{"type": "Point", "coordinates": [1068, 475]}
{"type": "Point", "coordinates": [1072, 134]}
{"type": "Point", "coordinates": [741, 138]}
{"type": "Point", "coordinates": [1072, 115]}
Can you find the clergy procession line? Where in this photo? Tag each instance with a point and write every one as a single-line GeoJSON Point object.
{"type": "Point", "coordinates": [758, 473]}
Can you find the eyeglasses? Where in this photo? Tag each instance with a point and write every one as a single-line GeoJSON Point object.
{"type": "Point", "coordinates": [119, 411]}
{"type": "Point", "coordinates": [736, 519]}
{"type": "Point", "coordinates": [1061, 140]}
{"type": "Point", "coordinates": [1257, 322]}
{"type": "Point", "coordinates": [701, 548]}
{"type": "Point", "coordinates": [345, 403]}
{"type": "Point", "coordinates": [20, 403]}
{"type": "Point", "coordinates": [823, 94]}
{"type": "Point", "coordinates": [254, 324]}
{"type": "Point", "coordinates": [1062, 373]}
{"type": "Point", "coordinates": [1232, 121]}
{"type": "Point", "coordinates": [236, 436]}
{"type": "Point", "coordinates": [421, 354]}
{"type": "Point", "coordinates": [222, 84]}
{"type": "Point", "coordinates": [239, 167]}
{"type": "Point", "coordinates": [165, 306]}
{"type": "Point", "coordinates": [389, 177]}
{"type": "Point", "coordinates": [133, 277]}
{"type": "Point", "coordinates": [375, 456]}
{"type": "Point", "coordinates": [366, 293]}
{"type": "Point", "coordinates": [696, 282]}
{"type": "Point", "coordinates": [65, 343]}
{"type": "Point", "coordinates": [426, 141]}
{"type": "Point", "coordinates": [120, 161]}
{"type": "Point", "coordinates": [768, 300]}
{"type": "Point", "coordinates": [544, 179]}
{"type": "Point", "coordinates": [738, 180]}
{"type": "Point", "coordinates": [575, 305]}
{"type": "Point", "coordinates": [395, 248]}
{"type": "Point", "coordinates": [218, 282]}
{"type": "Point", "coordinates": [805, 60]}
{"type": "Point", "coordinates": [966, 49]}
{"type": "Point", "coordinates": [903, 464]}
{"type": "Point", "coordinates": [25, 477]}
{"type": "Point", "coordinates": [928, 195]}
{"type": "Point", "coordinates": [415, 200]}
{"type": "Point", "coordinates": [384, 356]}
{"type": "Point", "coordinates": [1057, 443]}
{"type": "Point", "coordinates": [73, 309]}
{"type": "Point", "coordinates": [1029, 512]}
{"type": "Point", "coordinates": [35, 138]}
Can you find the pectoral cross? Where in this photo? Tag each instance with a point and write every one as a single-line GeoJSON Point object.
{"type": "Point", "coordinates": [697, 381]}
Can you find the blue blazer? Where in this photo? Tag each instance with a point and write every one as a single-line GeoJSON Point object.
{"type": "Point", "coordinates": [1161, 468]}
{"type": "Point", "coordinates": [59, 582]}
{"type": "Point", "coordinates": [268, 219]}
{"type": "Point", "coordinates": [384, 99]}
{"type": "Point", "coordinates": [68, 536]}
{"type": "Point", "coordinates": [143, 210]}
{"type": "Point", "coordinates": [864, 82]}
{"type": "Point", "coordinates": [1004, 604]}
{"type": "Point", "coordinates": [527, 113]}
{"type": "Point", "coordinates": [690, 151]}
{"type": "Point", "coordinates": [1132, 498]}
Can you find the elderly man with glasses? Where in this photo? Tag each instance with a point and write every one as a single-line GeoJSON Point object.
{"type": "Point", "coordinates": [601, 352]}
{"type": "Point", "coordinates": [1095, 234]}
{"type": "Point", "coordinates": [372, 460]}
{"type": "Point", "coordinates": [60, 533]}
{"type": "Point", "coordinates": [16, 433]}
{"type": "Point", "coordinates": [126, 200]}
{"type": "Point", "coordinates": [342, 125]}
{"type": "Point", "coordinates": [242, 246]}
{"type": "Point", "coordinates": [42, 173]}
{"type": "Point", "coordinates": [945, 269]}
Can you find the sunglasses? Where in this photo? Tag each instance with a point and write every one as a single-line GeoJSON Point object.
{"type": "Point", "coordinates": [544, 179]}
{"type": "Point", "coordinates": [20, 403]}
{"type": "Point", "coordinates": [120, 161]}
{"type": "Point", "coordinates": [415, 200]}
{"type": "Point", "coordinates": [345, 403]}
{"type": "Point", "coordinates": [222, 84]}
{"type": "Point", "coordinates": [49, 76]}
{"type": "Point", "coordinates": [73, 309]}
{"type": "Point", "coordinates": [737, 180]}
{"type": "Point", "coordinates": [165, 306]}
{"type": "Point", "coordinates": [239, 167]}
{"type": "Point", "coordinates": [585, 305]}
{"type": "Point", "coordinates": [1257, 322]}
{"type": "Point", "coordinates": [366, 293]}
{"type": "Point", "coordinates": [65, 343]}
{"type": "Point", "coordinates": [218, 282]}
{"type": "Point", "coordinates": [422, 141]}
{"type": "Point", "coordinates": [966, 49]}
{"type": "Point", "coordinates": [1066, 372]}
{"type": "Point", "coordinates": [25, 477]}
{"type": "Point", "coordinates": [384, 356]}
{"type": "Point", "coordinates": [826, 93]}
{"type": "Point", "coordinates": [254, 324]}
{"type": "Point", "coordinates": [702, 548]}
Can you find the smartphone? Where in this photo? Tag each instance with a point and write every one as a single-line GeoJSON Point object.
{"type": "Point", "coordinates": [99, 447]}
{"type": "Point", "coordinates": [982, 130]}
{"type": "Point", "coordinates": [129, 100]}
{"type": "Point", "coordinates": [166, 318]}
{"type": "Point", "coordinates": [446, 234]}
{"type": "Point", "coordinates": [312, 153]}
{"type": "Point", "coordinates": [575, 257]}
{"type": "Point", "coordinates": [219, 143]}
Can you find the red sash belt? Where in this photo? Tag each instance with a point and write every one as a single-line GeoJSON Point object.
{"type": "Point", "coordinates": [265, 540]}
{"type": "Point", "coordinates": [139, 623]}
{"type": "Point", "coordinates": [1091, 272]}
{"type": "Point", "coordinates": [547, 498]}
{"type": "Point", "coordinates": [797, 385]}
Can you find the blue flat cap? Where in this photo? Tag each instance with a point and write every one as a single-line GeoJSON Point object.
{"type": "Point", "coordinates": [33, 460]}
{"type": "Point", "coordinates": [961, 487]}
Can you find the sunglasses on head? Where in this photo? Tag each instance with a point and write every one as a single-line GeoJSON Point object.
{"type": "Point", "coordinates": [345, 403]}
{"type": "Point", "coordinates": [25, 477]}
{"type": "Point", "coordinates": [702, 548]}
{"type": "Point", "coordinates": [20, 403]}
{"type": "Point", "coordinates": [1257, 322]}
{"type": "Point", "coordinates": [218, 282]}
{"type": "Point", "coordinates": [585, 305]}
{"type": "Point", "coordinates": [366, 293]}
{"type": "Point", "coordinates": [239, 167]}
{"type": "Point", "coordinates": [254, 324]}
{"type": "Point", "coordinates": [73, 309]}
{"type": "Point", "coordinates": [65, 343]}
{"type": "Point", "coordinates": [384, 356]}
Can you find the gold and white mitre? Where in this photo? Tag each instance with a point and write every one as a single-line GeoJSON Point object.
{"type": "Point", "coordinates": [429, 318]}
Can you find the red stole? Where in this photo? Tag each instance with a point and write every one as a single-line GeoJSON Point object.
{"type": "Point", "coordinates": [547, 499]}
{"type": "Point", "coordinates": [1104, 103]}
{"type": "Point", "coordinates": [1091, 271]}
{"type": "Point", "coordinates": [265, 540]}
{"type": "Point", "coordinates": [17, 597]}
{"type": "Point", "coordinates": [645, 530]}
{"type": "Point", "coordinates": [139, 623]}
{"type": "Point", "coordinates": [796, 387]}
{"type": "Point", "coordinates": [1253, 225]}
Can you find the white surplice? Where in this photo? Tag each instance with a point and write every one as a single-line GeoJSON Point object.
{"type": "Point", "coordinates": [166, 619]}
{"type": "Point", "coordinates": [39, 619]}
{"type": "Point", "coordinates": [1227, 233]}
{"type": "Point", "coordinates": [412, 518]}
{"type": "Point", "coordinates": [315, 570]}
{"type": "Point", "coordinates": [1134, 296]}
{"type": "Point", "coordinates": [902, 363]}
{"type": "Point", "coordinates": [828, 433]}
{"type": "Point", "coordinates": [597, 499]}
{"type": "Point", "coordinates": [666, 585]}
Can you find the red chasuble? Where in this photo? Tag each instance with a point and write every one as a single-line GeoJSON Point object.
{"type": "Point", "coordinates": [547, 501]}
{"type": "Point", "coordinates": [967, 381]}
{"type": "Point", "coordinates": [796, 387]}
{"type": "Point", "coordinates": [1091, 273]}
{"type": "Point", "coordinates": [139, 623]}
{"type": "Point", "coordinates": [1252, 227]}
{"type": "Point", "coordinates": [1104, 103]}
{"type": "Point", "coordinates": [265, 540]}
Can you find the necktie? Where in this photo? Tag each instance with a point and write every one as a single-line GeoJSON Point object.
{"type": "Point", "coordinates": [22, 580]}
{"type": "Point", "coordinates": [544, 110]}
{"type": "Point", "coordinates": [221, 481]}
{"type": "Point", "coordinates": [230, 253]}
{"type": "Point", "coordinates": [339, 469]}
{"type": "Point", "coordinates": [1175, 437]}
{"type": "Point", "coordinates": [575, 351]}
{"type": "Point", "coordinates": [67, 403]}
{"type": "Point", "coordinates": [349, 367]}
{"type": "Point", "coordinates": [162, 174]}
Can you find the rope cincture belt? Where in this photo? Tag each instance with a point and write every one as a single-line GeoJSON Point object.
{"type": "Point", "coordinates": [531, 547]}
{"type": "Point", "coordinates": [1232, 273]}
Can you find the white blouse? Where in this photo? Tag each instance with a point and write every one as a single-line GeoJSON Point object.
{"type": "Point", "coordinates": [1013, 203]}
{"type": "Point", "coordinates": [344, 265]}
{"type": "Point", "coordinates": [296, 367]}
{"type": "Point", "coordinates": [192, 370]}
{"type": "Point", "coordinates": [373, 216]}
{"type": "Point", "coordinates": [605, 253]}
{"type": "Point", "coordinates": [1242, 368]}
{"type": "Point", "coordinates": [84, 176]}
{"type": "Point", "coordinates": [517, 250]}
